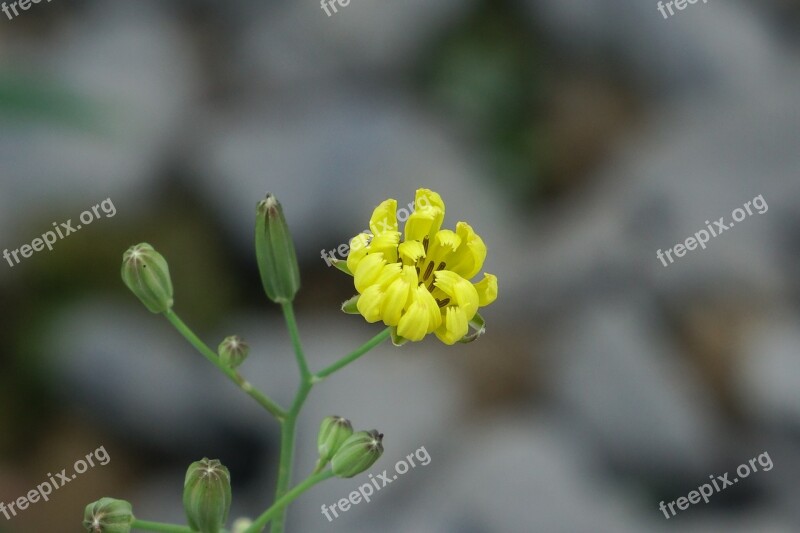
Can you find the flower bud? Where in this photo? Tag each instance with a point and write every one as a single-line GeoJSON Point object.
{"type": "Point", "coordinates": [207, 495]}
{"type": "Point", "coordinates": [108, 515]}
{"type": "Point", "coordinates": [333, 431]}
{"type": "Point", "coordinates": [357, 453]}
{"type": "Point", "coordinates": [277, 261]}
{"type": "Point", "coordinates": [233, 351]}
{"type": "Point", "coordinates": [146, 274]}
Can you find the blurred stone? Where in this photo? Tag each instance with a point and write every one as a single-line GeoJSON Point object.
{"type": "Point", "coordinates": [616, 375]}
{"type": "Point", "coordinates": [515, 475]}
{"type": "Point", "coordinates": [138, 378]}
{"type": "Point", "coordinates": [768, 377]}
{"type": "Point", "coordinates": [294, 44]}
{"type": "Point", "coordinates": [709, 49]}
{"type": "Point", "coordinates": [132, 70]}
{"type": "Point", "coordinates": [332, 158]}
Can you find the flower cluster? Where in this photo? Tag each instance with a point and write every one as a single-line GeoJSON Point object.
{"type": "Point", "coordinates": [420, 285]}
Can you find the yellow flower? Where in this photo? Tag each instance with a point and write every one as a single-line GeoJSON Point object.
{"type": "Point", "coordinates": [420, 283]}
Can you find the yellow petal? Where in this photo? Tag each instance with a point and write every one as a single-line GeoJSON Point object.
{"type": "Point", "coordinates": [410, 275]}
{"type": "Point", "coordinates": [468, 259]}
{"type": "Point", "coordinates": [386, 243]}
{"type": "Point", "coordinates": [369, 303]}
{"type": "Point", "coordinates": [454, 327]}
{"type": "Point", "coordinates": [413, 324]}
{"type": "Point", "coordinates": [394, 301]}
{"type": "Point", "coordinates": [389, 273]}
{"type": "Point", "coordinates": [359, 245]}
{"type": "Point", "coordinates": [426, 299]}
{"type": "Point", "coordinates": [419, 225]}
{"type": "Point", "coordinates": [384, 218]}
{"type": "Point", "coordinates": [487, 289]}
{"type": "Point", "coordinates": [368, 271]}
{"type": "Point", "coordinates": [411, 251]}
{"type": "Point", "coordinates": [460, 291]}
{"type": "Point", "coordinates": [443, 244]}
{"type": "Point", "coordinates": [426, 199]}
{"type": "Point", "coordinates": [448, 239]}
{"type": "Point", "coordinates": [427, 217]}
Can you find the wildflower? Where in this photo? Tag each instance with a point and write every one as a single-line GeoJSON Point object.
{"type": "Point", "coordinates": [420, 284]}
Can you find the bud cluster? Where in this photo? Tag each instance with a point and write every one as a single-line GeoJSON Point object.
{"type": "Point", "coordinates": [207, 486]}
{"type": "Point", "coordinates": [349, 453]}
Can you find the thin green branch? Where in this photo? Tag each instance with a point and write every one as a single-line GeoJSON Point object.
{"type": "Point", "coordinates": [288, 434]}
{"type": "Point", "coordinates": [265, 401]}
{"type": "Point", "coordinates": [291, 324]}
{"type": "Point", "coordinates": [280, 504]}
{"type": "Point", "coordinates": [289, 424]}
{"type": "Point", "coordinates": [343, 362]}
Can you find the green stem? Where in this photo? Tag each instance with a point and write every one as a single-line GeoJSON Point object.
{"type": "Point", "coordinates": [291, 323]}
{"type": "Point", "coordinates": [289, 425]}
{"type": "Point", "coordinates": [343, 362]}
{"type": "Point", "coordinates": [158, 526]}
{"type": "Point", "coordinates": [286, 499]}
{"type": "Point", "coordinates": [288, 432]}
{"type": "Point", "coordinates": [277, 513]}
{"type": "Point", "coordinates": [264, 400]}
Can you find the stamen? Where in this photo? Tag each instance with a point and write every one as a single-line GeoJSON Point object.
{"type": "Point", "coordinates": [441, 266]}
{"type": "Point", "coordinates": [443, 302]}
{"type": "Point", "coordinates": [428, 271]}
{"type": "Point", "coordinates": [425, 243]}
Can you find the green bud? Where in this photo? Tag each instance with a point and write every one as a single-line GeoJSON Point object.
{"type": "Point", "coordinates": [146, 274]}
{"type": "Point", "coordinates": [277, 261]}
{"type": "Point", "coordinates": [357, 453]}
{"type": "Point", "coordinates": [333, 431]}
{"type": "Point", "coordinates": [207, 495]}
{"type": "Point", "coordinates": [108, 515]}
{"type": "Point", "coordinates": [233, 351]}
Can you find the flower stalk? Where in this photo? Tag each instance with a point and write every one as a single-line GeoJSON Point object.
{"type": "Point", "coordinates": [416, 287]}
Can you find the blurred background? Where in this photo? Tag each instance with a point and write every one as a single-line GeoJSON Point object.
{"type": "Point", "coordinates": [578, 138]}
